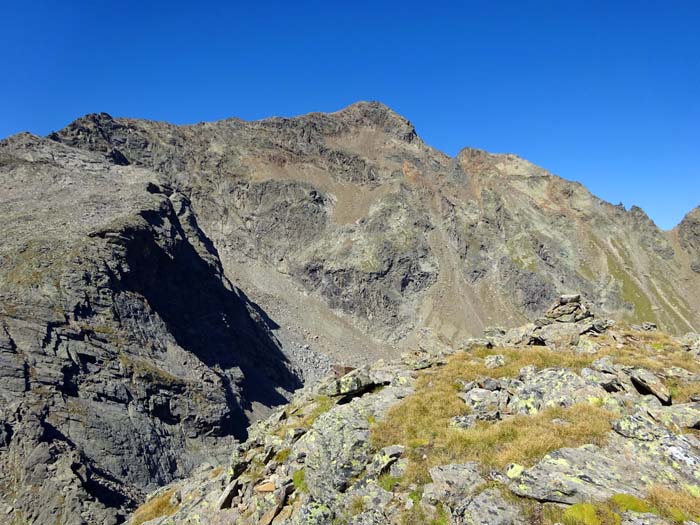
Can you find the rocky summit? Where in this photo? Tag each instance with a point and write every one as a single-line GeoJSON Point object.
{"type": "Point", "coordinates": [163, 288]}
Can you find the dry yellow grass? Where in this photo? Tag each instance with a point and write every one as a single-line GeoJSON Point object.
{"type": "Point", "coordinates": [422, 421]}
{"type": "Point", "coordinates": [464, 366]}
{"type": "Point", "coordinates": [156, 507]}
{"type": "Point", "coordinates": [656, 359]}
{"type": "Point", "coordinates": [676, 505]}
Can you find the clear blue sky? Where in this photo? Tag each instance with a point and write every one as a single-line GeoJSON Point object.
{"type": "Point", "coordinates": [606, 93]}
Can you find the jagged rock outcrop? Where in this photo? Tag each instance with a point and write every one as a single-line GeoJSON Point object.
{"type": "Point", "coordinates": [574, 436]}
{"type": "Point", "coordinates": [126, 356]}
{"type": "Point", "coordinates": [688, 232]}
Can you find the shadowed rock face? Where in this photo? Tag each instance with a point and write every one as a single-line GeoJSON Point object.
{"type": "Point", "coordinates": [161, 286]}
{"type": "Point", "coordinates": [126, 356]}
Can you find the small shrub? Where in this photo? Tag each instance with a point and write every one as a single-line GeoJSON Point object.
{"type": "Point", "coordinates": [415, 496]}
{"type": "Point", "coordinates": [441, 516]}
{"type": "Point", "coordinates": [357, 505]}
{"type": "Point", "coordinates": [282, 455]}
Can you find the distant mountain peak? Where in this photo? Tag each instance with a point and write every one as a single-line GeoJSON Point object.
{"type": "Point", "coordinates": [378, 115]}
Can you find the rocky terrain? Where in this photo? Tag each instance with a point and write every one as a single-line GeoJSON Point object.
{"type": "Point", "coordinates": [163, 287]}
{"type": "Point", "coordinates": [126, 356]}
{"type": "Point", "coordinates": [598, 426]}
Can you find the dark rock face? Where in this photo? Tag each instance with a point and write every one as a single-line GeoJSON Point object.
{"type": "Point", "coordinates": [689, 236]}
{"type": "Point", "coordinates": [128, 357]}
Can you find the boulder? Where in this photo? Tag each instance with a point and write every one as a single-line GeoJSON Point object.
{"type": "Point", "coordinates": [489, 507]}
{"type": "Point", "coordinates": [648, 383]}
{"type": "Point", "coordinates": [592, 473]}
{"type": "Point", "coordinates": [353, 383]}
{"type": "Point", "coordinates": [552, 387]}
{"type": "Point", "coordinates": [453, 483]}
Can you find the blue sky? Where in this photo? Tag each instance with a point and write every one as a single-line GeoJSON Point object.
{"type": "Point", "coordinates": [606, 93]}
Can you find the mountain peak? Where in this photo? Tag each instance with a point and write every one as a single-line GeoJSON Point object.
{"type": "Point", "coordinates": [375, 114]}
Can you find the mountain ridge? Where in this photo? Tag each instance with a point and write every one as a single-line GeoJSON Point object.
{"type": "Point", "coordinates": [373, 104]}
{"type": "Point", "coordinates": [359, 147]}
{"type": "Point", "coordinates": [170, 285]}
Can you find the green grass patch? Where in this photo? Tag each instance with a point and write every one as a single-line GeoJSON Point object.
{"type": "Point", "coordinates": [625, 502]}
{"type": "Point", "coordinates": [590, 514]}
{"type": "Point", "coordinates": [322, 405]}
{"type": "Point", "coordinates": [673, 505]}
{"type": "Point", "coordinates": [299, 481]}
{"type": "Point", "coordinates": [388, 482]}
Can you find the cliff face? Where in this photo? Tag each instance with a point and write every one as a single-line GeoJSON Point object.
{"type": "Point", "coordinates": [163, 286]}
{"type": "Point", "coordinates": [126, 356]}
{"type": "Point", "coordinates": [688, 234]}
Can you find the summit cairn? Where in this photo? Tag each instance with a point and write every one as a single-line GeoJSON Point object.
{"type": "Point", "coordinates": [567, 309]}
{"type": "Point", "coordinates": [568, 322]}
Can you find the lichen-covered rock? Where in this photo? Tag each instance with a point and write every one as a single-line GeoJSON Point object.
{"type": "Point", "coordinates": [647, 382]}
{"type": "Point", "coordinates": [684, 416]}
{"type": "Point", "coordinates": [568, 309]}
{"type": "Point", "coordinates": [494, 361]}
{"type": "Point", "coordinates": [485, 405]}
{"type": "Point", "coordinates": [452, 484]}
{"type": "Point", "coordinates": [336, 449]}
{"type": "Point", "coordinates": [645, 518]}
{"type": "Point", "coordinates": [488, 507]}
{"type": "Point", "coordinates": [575, 475]}
{"type": "Point", "coordinates": [352, 383]}
{"type": "Point", "coordinates": [384, 459]}
{"type": "Point", "coordinates": [553, 388]}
